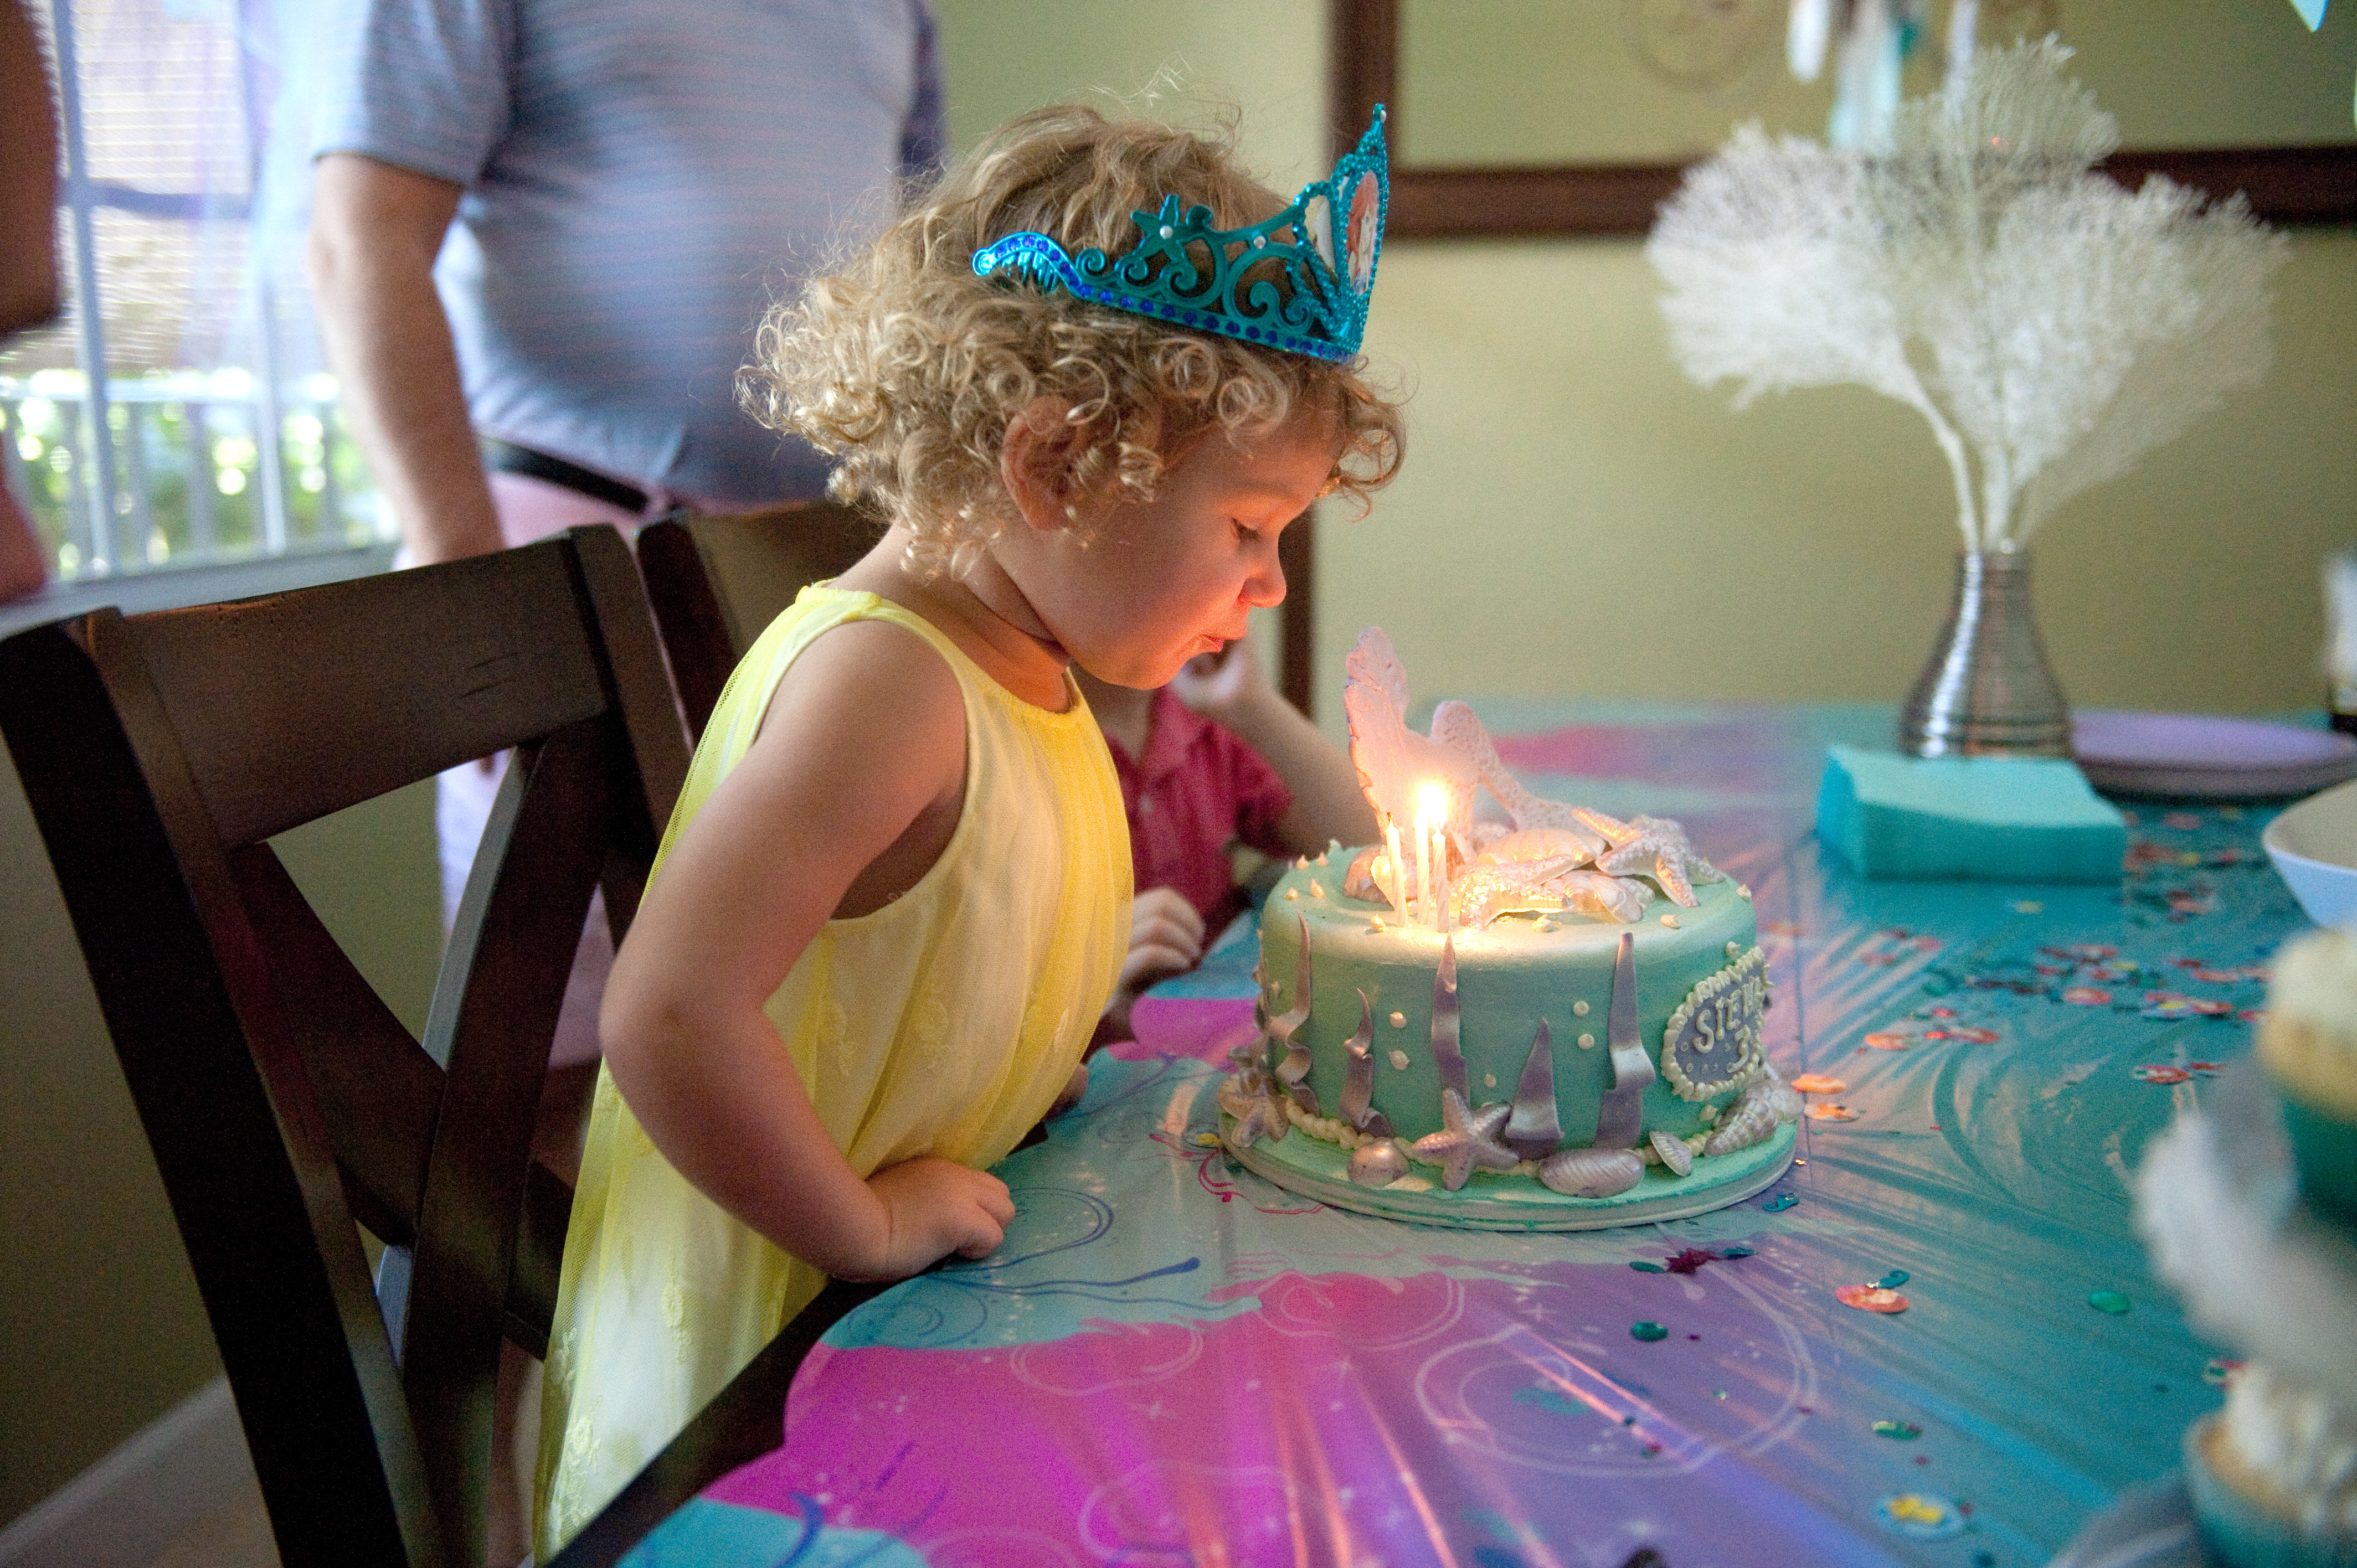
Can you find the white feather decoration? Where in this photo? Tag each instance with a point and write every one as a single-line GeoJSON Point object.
{"type": "Point", "coordinates": [2049, 326]}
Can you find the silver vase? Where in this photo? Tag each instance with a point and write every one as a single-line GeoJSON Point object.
{"type": "Point", "coordinates": [1988, 690]}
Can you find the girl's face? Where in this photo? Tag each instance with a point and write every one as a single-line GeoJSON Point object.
{"type": "Point", "coordinates": [1168, 579]}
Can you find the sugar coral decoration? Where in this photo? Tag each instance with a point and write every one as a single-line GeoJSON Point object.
{"type": "Point", "coordinates": [2049, 326]}
{"type": "Point", "coordinates": [1456, 726]}
{"type": "Point", "coordinates": [1393, 760]}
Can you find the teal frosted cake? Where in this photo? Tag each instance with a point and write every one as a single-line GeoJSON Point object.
{"type": "Point", "coordinates": [1549, 1021]}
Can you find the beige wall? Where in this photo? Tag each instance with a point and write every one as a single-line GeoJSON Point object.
{"type": "Point", "coordinates": [1576, 519]}
{"type": "Point", "coordinates": [1584, 521]}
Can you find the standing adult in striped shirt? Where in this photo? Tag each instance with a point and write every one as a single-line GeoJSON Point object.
{"type": "Point", "coordinates": [543, 233]}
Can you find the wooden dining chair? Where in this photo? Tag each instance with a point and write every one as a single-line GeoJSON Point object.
{"type": "Point", "coordinates": [286, 1106]}
{"type": "Point", "coordinates": [715, 581]}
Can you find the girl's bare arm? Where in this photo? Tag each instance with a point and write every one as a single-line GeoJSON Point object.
{"type": "Point", "coordinates": [1234, 689]}
{"type": "Point", "coordinates": [846, 799]}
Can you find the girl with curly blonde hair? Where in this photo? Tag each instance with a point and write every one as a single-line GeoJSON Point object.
{"type": "Point", "coordinates": [894, 895]}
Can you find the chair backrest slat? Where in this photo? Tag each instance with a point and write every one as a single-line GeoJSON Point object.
{"type": "Point", "coordinates": [716, 582]}
{"type": "Point", "coordinates": [377, 1090]}
{"type": "Point", "coordinates": [311, 702]}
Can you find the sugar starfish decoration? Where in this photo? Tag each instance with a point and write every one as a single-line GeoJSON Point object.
{"type": "Point", "coordinates": [1654, 847]}
{"type": "Point", "coordinates": [1258, 1111]}
{"type": "Point", "coordinates": [1466, 1139]}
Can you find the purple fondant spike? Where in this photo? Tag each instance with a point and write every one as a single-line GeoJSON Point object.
{"type": "Point", "coordinates": [1359, 1078]}
{"type": "Point", "coordinates": [1534, 1130]}
{"type": "Point", "coordinates": [1286, 1030]}
{"type": "Point", "coordinates": [1447, 1053]}
{"type": "Point", "coordinates": [1622, 1115]}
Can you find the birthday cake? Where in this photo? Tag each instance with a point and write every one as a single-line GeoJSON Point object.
{"type": "Point", "coordinates": [1547, 1018]}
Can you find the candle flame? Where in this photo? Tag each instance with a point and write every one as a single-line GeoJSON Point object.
{"type": "Point", "coordinates": [1432, 804]}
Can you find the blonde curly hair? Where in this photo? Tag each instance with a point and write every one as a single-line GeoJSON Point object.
{"type": "Point", "coordinates": [908, 368]}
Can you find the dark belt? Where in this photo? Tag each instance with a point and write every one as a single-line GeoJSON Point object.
{"type": "Point", "coordinates": [507, 457]}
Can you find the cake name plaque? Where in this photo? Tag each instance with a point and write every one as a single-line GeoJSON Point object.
{"type": "Point", "coordinates": [1712, 1044]}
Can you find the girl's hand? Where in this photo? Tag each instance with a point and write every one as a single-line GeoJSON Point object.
{"type": "Point", "coordinates": [1166, 937]}
{"type": "Point", "coordinates": [933, 1208]}
{"type": "Point", "coordinates": [1225, 685]}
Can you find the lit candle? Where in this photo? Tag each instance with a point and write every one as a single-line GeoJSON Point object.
{"type": "Point", "coordinates": [1423, 860]}
{"type": "Point", "coordinates": [1398, 891]}
{"type": "Point", "coordinates": [1431, 823]}
{"type": "Point", "coordinates": [1439, 909]}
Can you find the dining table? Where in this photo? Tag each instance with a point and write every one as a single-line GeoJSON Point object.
{"type": "Point", "coordinates": [1936, 1339]}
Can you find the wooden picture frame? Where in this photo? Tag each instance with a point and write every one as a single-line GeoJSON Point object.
{"type": "Point", "coordinates": [2295, 184]}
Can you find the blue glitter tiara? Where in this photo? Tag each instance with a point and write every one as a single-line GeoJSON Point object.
{"type": "Point", "coordinates": [1325, 245]}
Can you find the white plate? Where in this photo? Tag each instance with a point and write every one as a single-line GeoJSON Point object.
{"type": "Point", "coordinates": [2207, 758]}
{"type": "Point", "coordinates": [2314, 846]}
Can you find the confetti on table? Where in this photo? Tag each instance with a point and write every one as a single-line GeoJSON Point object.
{"type": "Point", "coordinates": [2165, 1072]}
{"type": "Point", "coordinates": [2028, 907]}
{"type": "Point", "coordinates": [1904, 1431]}
{"type": "Point", "coordinates": [2087, 996]}
{"type": "Point", "coordinates": [1823, 1113]}
{"type": "Point", "coordinates": [1692, 1260]}
{"type": "Point", "coordinates": [1922, 1515]}
{"type": "Point", "coordinates": [1892, 1280]}
{"type": "Point", "coordinates": [1870, 1298]}
{"type": "Point", "coordinates": [1647, 1331]}
{"type": "Point", "coordinates": [2109, 1301]}
{"type": "Point", "coordinates": [1731, 1253]}
{"type": "Point", "coordinates": [1781, 1202]}
{"type": "Point", "coordinates": [1890, 1040]}
{"type": "Point", "coordinates": [1647, 1266]}
{"type": "Point", "coordinates": [1963, 1036]}
{"type": "Point", "coordinates": [1818, 1083]}
{"type": "Point", "coordinates": [2219, 1370]}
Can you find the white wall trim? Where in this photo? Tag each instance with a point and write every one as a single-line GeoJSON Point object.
{"type": "Point", "coordinates": [124, 1510]}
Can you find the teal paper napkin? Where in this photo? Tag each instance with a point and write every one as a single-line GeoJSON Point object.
{"type": "Point", "coordinates": [1986, 819]}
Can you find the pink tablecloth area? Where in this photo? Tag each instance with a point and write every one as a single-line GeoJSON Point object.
{"type": "Point", "coordinates": [1172, 1363]}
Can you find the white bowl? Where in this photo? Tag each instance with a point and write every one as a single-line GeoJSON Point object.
{"type": "Point", "coordinates": [2314, 846]}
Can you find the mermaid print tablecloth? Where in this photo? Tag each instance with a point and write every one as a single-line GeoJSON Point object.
{"type": "Point", "coordinates": [1172, 1363]}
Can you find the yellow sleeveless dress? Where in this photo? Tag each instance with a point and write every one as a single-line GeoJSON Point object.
{"type": "Point", "coordinates": [942, 1024]}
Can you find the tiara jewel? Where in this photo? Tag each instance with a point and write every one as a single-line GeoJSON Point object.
{"type": "Point", "coordinates": [1225, 280]}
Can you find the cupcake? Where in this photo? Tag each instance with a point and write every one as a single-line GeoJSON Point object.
{"type": "Point", "coordinates": [2249, 1209]}
{"type": "Point", "coordinates": [2274, 1475]}
{"type": "Point", "coordinates": [2308, 1043]}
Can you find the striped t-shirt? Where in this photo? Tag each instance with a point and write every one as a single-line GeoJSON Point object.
{"type": "Point", "coordinates": [641, 178]}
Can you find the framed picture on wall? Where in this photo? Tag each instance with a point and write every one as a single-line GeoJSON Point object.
{"type": "Point", "coordinates": [1563, 117]}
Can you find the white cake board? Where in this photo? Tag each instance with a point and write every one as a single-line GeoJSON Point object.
{"type": "Point", "coordinates": [1487, 1201]}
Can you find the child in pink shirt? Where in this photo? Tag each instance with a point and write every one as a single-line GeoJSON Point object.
{"type": "Point", "coordinates": [1215, 757]}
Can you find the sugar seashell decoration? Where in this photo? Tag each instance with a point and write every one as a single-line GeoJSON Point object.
{"type": "Point", "coordinates": [1591, 1173]}
{"type": "Point", "coordinates": [1377, 1163]}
